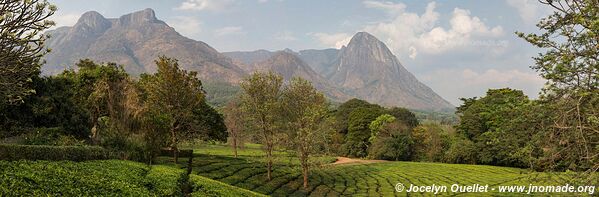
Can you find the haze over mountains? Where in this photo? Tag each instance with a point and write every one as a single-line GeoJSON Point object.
{"type": "Point", "coordinates": [365, 69]}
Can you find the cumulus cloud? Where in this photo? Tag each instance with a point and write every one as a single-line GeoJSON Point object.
{"type": "Point", "coordinates": [336, 40]}
{"type": "Point", "coordinates": [187, 26]}
{"type": "Point", "coordinates": [231, 30]}
{"type": "Point", "coordinates": [412, 33]}
{"type": "Point", "coordinates": [470, 83]}
{"type": "Point", "coordinates": [199, 5]}
{"type": "Point", "coordinates": [530, 11]}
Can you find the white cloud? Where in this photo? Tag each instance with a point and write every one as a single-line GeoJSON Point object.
{"type": "Point", "coordinates": [231, 30]}
{"type": "Point", "coordinates": [285, 36]}
{"type": "Point", "coordinates": [62, 19]}
{"type": "Point", "coordinates": [530, 11]}
{"type": "Point", "coordinates": [187, 26]}
{"type": "Point", "coordinates": [199, 5]}
{"type": "Point", "coordinates": [473, 83]}
{"type": "Point", "coordinates": [337, 40]}
{"type": "Point", "coordinates": [412, 33]}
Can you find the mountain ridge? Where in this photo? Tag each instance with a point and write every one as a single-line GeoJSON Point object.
{"type": "Point", "coordinates": [365, 68]}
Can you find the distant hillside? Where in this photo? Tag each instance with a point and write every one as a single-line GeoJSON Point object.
{"type": "Point", "coordinates": [365, 69]}
{"type": "Point", "coordinates": [135, 40]}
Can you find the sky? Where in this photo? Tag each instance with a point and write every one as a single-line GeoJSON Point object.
{"type": "Point", "coordinates": [459, 48]}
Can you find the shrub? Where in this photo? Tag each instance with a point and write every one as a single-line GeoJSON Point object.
{"type": "Point", "coordinates": [50, 136]}
{"type": "Point", "coordinates": [42, 152]}
{"type": "Point", "coordinates": [202, 186]}
{"type": "Point", "coordinates": [166, 181]}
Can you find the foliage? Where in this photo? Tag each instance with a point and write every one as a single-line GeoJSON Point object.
{"type": "Point", "coordinates": [90, 178]}
{"type": "Point", "coordinates": [308, 125]}
{"type": "Point", "coordinates": [431, 141]}
{"type": "Point", "coordinates": [211, 123]}
{"type": "Point", "coordinates": [166, 181]}
{"type": "Point", "coordinates": [404, 116]}
{"type": "Point", "coordinates": [499, 127]}
{"type": "Point", "coordinates": [202, 186]}
{"type": "Point", "coordinates": [378, 124]}
{"type": "Point", "coordinates": [22, 24]}
{"type": "Point", "coordinates": [174, 94]}
{"type": "Point", "coordinates": [570, 37]}
{"type": "Point", "coordinates": [235, 124]}
{"type": "Point", "coordinates": [393, 141]}
{"type": "Point", "coordinates": [218, 94]}
{"type": "Point", "coordinates": [356, 140]}
{"type": "Point", "coordinates": [261, 101]}
{"type": "Point", "coordinates": [43, 152]}
{"type": "Point", "coordinates": [53, 106]}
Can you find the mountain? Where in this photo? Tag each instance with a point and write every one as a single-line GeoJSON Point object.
{"type": "Point", "coordinates": [135, 40]}
{"type": "Point", "coordinates": [320, 60]}
{"type": "Point", "coordinates": [288, 65]}
{"type": "Point", "coordinates": [367, 69]}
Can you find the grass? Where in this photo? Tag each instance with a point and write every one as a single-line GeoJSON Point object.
{"type": "Point", "coordinates": [376, 179]}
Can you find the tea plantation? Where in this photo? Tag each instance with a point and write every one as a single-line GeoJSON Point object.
{"type": "Point", "coordinates": [375, 179]}
{"type": "Point", "coordinates": [215, 172]}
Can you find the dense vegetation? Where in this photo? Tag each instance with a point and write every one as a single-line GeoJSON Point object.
{"type": "Point", "coordinates": [90, 178]}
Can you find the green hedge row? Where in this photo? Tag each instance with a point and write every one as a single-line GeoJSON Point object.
{"type": "Point", "coordinates": [202, 186]}
{"type": "Point", "coordinates": [166, 181]}
{"type": "Point", "coordinates": [12, 152]}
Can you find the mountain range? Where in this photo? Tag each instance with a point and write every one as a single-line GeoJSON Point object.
{"type": "Point", "coordinates": [364, 69]}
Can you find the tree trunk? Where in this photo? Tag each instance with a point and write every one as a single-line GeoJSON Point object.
{"type": "Point", "coordinates": [174, 146]}
{"type": "Point", "coordinates": [235, 146]}
{"type": "Point", "coordinates": [269, 163]}
{"type": "Point", "coordinates": [305, 173]}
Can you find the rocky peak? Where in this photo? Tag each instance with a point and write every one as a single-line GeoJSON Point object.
{"type": "Point", "coordinates": [92, 21]}
{"type": "Point", "coordinates": [140, 17]}
{"type": "Point", "coordinates": [365, 45]}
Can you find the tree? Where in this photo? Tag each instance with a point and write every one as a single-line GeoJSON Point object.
{"type": "Point", "coordinates": [500, 126]}
{"type": "Point", "coordinates": [356, 140]}
{"type": "Point", "coordinates": [174, 93]}
{"type": "Point", "coordinates": [21, 45]}
{"type": "Point", "coordinates": [211, 124]}
{"type": "Point", "coordinates": [405, 116]}
{"type": "Point", "coordinates": [378, 124]}
{"type": "Point", "coordinates": [234, 122]}
{"type": "Point", "coordinates": [305, 110]}
{"type": "Point", "coordinates": [393, 142]}
{"type": "Point", "coordinates": [570, 64]}
{"type": "Point", "coordinates": [431, 141]}
{"type": "Point", "coordinates": [261, 101]}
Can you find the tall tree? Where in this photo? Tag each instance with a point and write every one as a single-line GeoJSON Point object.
{"type": "Point", "coordinates": [234, 122]}
{"type": "Point", "coordinates": [21, 45]}
{"type": "Point", "coordinates": [570, 63]}
{"type": "Point", "coordinates": [305, 110]}
{"type": "Point", "coordinates": [174, 93]}
{"type": "Point", "coordinates": [261, 101]}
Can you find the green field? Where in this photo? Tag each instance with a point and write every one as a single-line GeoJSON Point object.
{"type": "Point", "coordinates": [215, 172]}
{"type": "Point", "coordinates": [376, 179]}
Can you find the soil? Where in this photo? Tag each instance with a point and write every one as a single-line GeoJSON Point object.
{"type": "Point", "coordinates": [345, 160]}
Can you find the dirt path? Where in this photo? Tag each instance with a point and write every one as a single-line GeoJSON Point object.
{"type": "Point", "coordinates": [345, 160]}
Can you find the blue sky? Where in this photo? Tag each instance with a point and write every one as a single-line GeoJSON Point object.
{"type": "Point", "coordinates": [459, 48]}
